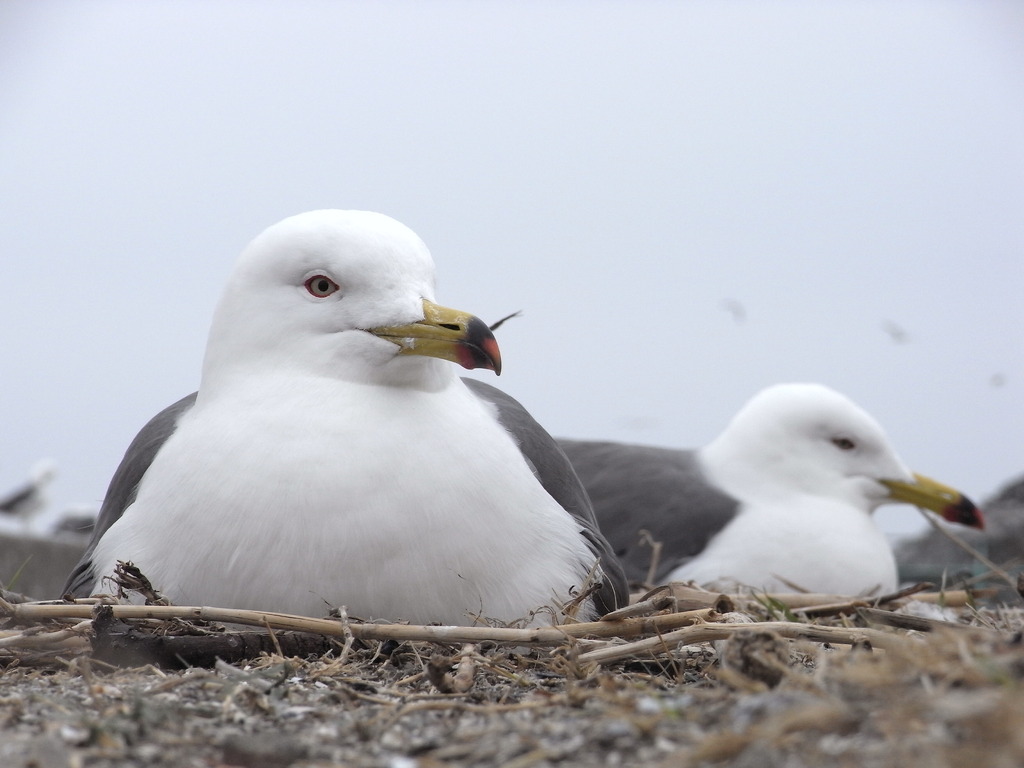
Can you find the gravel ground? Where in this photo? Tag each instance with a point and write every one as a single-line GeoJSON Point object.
{"type": "Point", "coordinates": [949, 697]}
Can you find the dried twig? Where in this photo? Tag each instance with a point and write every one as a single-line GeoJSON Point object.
{"type": "Point", "coordinates": [439, 670]}
{"type": "Point", "coordinates": [899, 594]}
{"type": "Point", "coordinates": [652, 568]}
{"type": "Point", "coordinates": [132, 644]}
{"type": "Point", "coordinates": [34, 637]}
{"type": "Point", "coordinates": [831, 609]}
{"type": "Point", "coordinates": [913, 623]}
{"type": "Point", "coordinates": [851, 606]}
{"type": "Point", "coordinates": [555, 635]}
{"type": "Point", "coordinates": [462, 680]}
{"type": "Point", "coordinates": [703, 633]}
{"type": "Point", "coordinates": [1000, 572]}
{"type": "Point", "coordinates": [688, 598]}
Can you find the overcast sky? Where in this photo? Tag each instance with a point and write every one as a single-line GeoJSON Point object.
{"type": "Point", "coordinates": [688, 201]}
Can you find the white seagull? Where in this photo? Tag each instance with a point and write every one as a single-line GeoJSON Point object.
{"type": "Point", "coordinates": [782, 497]}
{"type": "Point", "coordinates": [30, 498]}
{"type": "Point", "coordinates": [332, 457]}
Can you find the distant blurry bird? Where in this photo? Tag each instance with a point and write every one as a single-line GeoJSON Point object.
{"type": "Point", "coordinates": [897, 333]}
{"type": "Point", "coordinates": [26, 500]}
{"type": "Point", "coordinates": [736, 309]}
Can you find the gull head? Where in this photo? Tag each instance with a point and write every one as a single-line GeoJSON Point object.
{"type": "Point", "coordinates": [807, 439]}
{"type": "Point", "coordinates": [339, 294]}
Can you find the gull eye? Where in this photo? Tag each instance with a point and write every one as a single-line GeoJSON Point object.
{"type": "Point", "coordinates": [321, 286]}
{"type": "Point", "coordinates": [843, 443]}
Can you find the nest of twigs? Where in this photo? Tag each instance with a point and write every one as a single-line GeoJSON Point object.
{"type": "Point", "coordinates": [681, 677]}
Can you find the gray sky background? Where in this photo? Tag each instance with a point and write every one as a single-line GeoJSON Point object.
{"type": "Point", "coordinates": [688, 201]}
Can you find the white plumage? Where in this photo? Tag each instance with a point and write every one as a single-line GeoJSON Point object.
{"type": "Point", "coordinates": [783, 496]}
{"type": "Point", "coordinates": [805, 464]}
{"type": "Point", "coordinates": [329, 461]}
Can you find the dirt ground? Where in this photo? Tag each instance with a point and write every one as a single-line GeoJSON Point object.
{"type": "Point", "coordinates": [947, 694]}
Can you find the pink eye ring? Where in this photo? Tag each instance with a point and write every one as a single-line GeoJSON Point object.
{"type": "Point", "coordinates": [321, 286]}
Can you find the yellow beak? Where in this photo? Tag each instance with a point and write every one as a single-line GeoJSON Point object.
{"type": "Point", "coordinates": [448, 334]}
{"type": "Point", "coordinates": [927, 493]}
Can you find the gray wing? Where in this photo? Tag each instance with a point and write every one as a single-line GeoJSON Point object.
{"type": "Point", "coordinates": [124, 485]}
{"type": "Point", "coordinates": [556, 474]}
{"type": "Point", "coordinates": [548, 461]}
{"type": "Point", "coordinates": [19, 499]}
{"type": "Point", "coordinates": [660, 490]}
